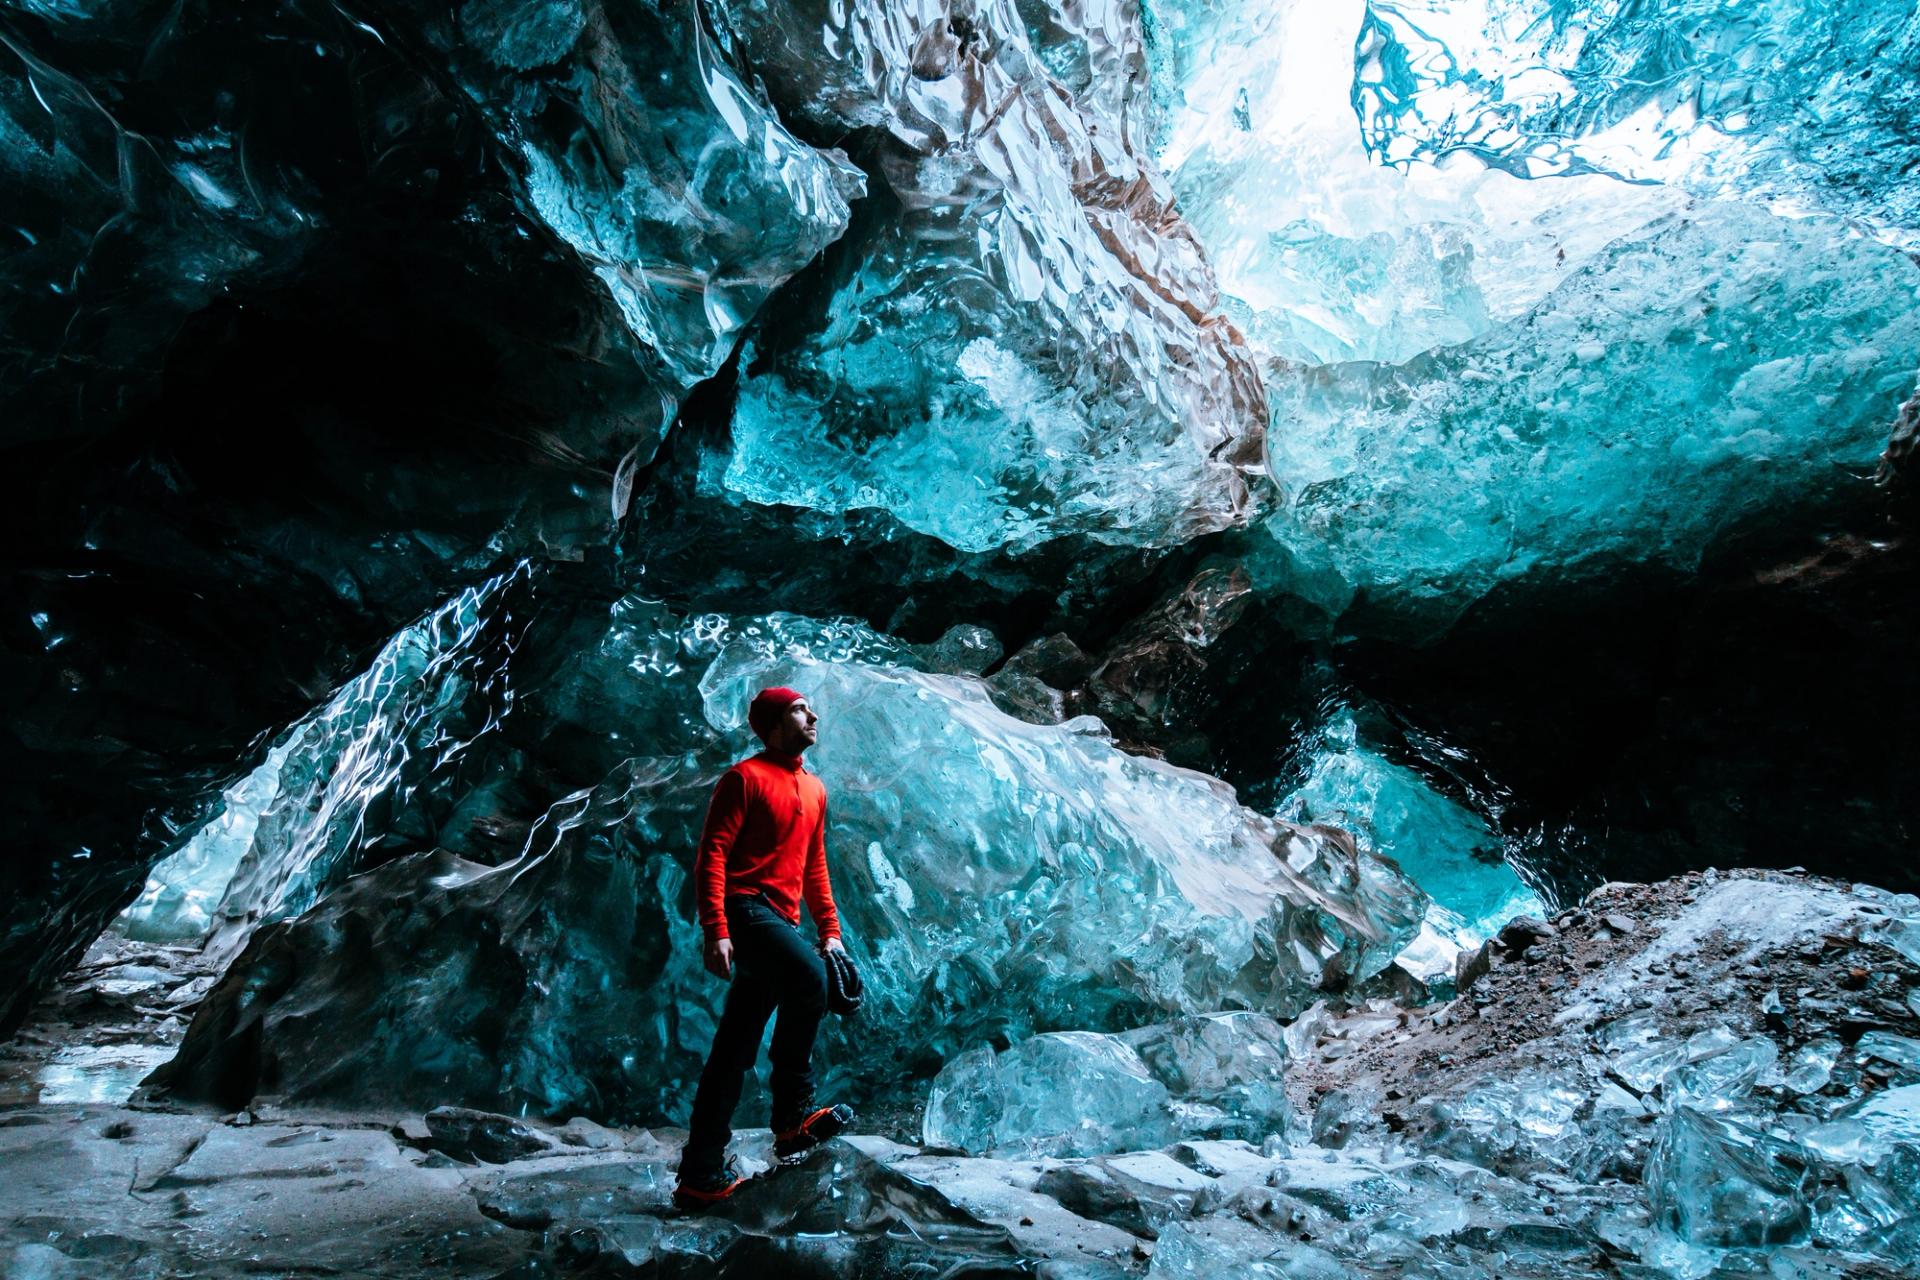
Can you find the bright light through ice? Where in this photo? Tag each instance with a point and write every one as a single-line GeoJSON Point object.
{"type": "Point", "coordinates": [1326, 253]}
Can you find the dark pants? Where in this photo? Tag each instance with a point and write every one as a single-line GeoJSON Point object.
{"type": "Point", "coordinates": [773, 967]}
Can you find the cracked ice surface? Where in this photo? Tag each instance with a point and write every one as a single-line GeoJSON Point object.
{"type": "Point", "coordinates": [1019, 338]}
{"type": "Point", "coordinates": [994, 877]}
{"type": "Point", "coordinates": [1695, 379]}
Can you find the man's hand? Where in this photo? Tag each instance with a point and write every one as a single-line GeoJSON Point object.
{"type": "Point", "coordinates": [719, 957]}
{"type": "Point", "coordinates": [834, 944]}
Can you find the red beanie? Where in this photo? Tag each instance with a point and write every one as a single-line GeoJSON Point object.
{"type": "Point", "coordinates": [767, 706]}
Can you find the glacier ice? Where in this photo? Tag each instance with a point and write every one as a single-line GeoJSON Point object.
{"type": "Point", "coordinates": [464, 874]}
{"type": "Point", "coordinates": [1719, 1183]}
{"type": "Point", "coordinates": [995, 878]}
{"type": "Point", "coordinates": [118, 228]}
{"type": "Point", "coordinates": [1759, 362]}
{"type": "Point", "coordinates": [1065, 1093]}
{"type": "Point", "coordinates": [1440, 844]}
{"type": "Point", "coordinates": [1902, 1053]}
{"type": "Point", "coordinates": [1323, 253]}
{"type": "Point", "coordinates": [684, 195]}
{"type": "Point", "coordinates": [183, 890]}
{"type": "Point", "coordinates": [1812, 1064]}
{"type": "Point", "coordinates": [359, 778]}
{"type": "Point", "coordinates": [1018, 340]}
{"type": "Point", "coordinates": [1870, 1130]}
{"type": "Point", "coordinates": [1078, 1093]}
{"type": "Point", "coordinates": [1805, 105]}
{"type": "Point", "coordinates": [1750, 1146]}
{"type": "Point", "coordinates": [618, 129]}
{"type": "Point", "coordinates": [460, 268]}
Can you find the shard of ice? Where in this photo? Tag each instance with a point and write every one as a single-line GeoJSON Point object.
{"type": "Point", "coordinates": [994, 878]}
{"type": "Point", "coordinates": [1019, 338]}
{"type": "Point", "coordinates": [1077, 1093]}
{"type": "Point", "coordinates": [1442, 846]}
{"type": "Point", "coordinates": [1805, 104]}
{"type": "Point", "coordinates": [1717, 1182]}
{"type": "Point", "coordinates": [1066, 1093]}
{"type": "Point", "coordinates": [1694, 382]}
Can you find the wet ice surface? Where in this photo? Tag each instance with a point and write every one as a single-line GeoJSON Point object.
{"type": "Point", "coordinates": [1710, 1076]}
{"type": "Point", "coordinates": [116, 1017]}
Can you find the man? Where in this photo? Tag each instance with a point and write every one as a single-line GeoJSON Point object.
{"type": "Point", "coordinates": [762, 851]}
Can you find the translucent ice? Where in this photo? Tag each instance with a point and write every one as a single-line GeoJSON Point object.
{"type": "Point", "coordinates": [1902, 1053]}
{"type": "Point", "coordinates": [683, 194]}
{"type": "Point", "coordinates": [1721, 1081]}
{"type": "Point", "coordinates": [1644, 1053]}
{"type": "Point", "coordinates": [1716, 1182]}
{"type": "Point", "coordinates": [1762, 360]}
{"type": "Point", "coordinates": [183, 890]}
{"type": "Point", "coordinates": [357, 776]}
{"type": "Point", "coordinates": [1077, 1093]}
{"type": "Point", "coordinates": [1224, 1071]}
{"type": "Point", "coordinates": [1067, 1093]}
{"type": "Point", "coordinates": [1504, 1122]}
{"type": "Point", "coordinates": [1019, 339]}
{"type": "Point", "coordinates": [1812, 1064]}
{"type": "Point", "coordinates": [1443, 846]}
{"type": "Point", "coordinates": [1051, 856]}
{"type": "Point", "coordinates": [1803, 103]}
{"type": "Point", "coordinates": [1323, 253]}
{"type": "Point", "coordinates": [994, 877]}
{"type": "Point", "coordinates": [1870, 1130]}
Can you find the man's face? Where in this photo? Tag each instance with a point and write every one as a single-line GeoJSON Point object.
{"type": "Point", "coordinates": [796, 729]}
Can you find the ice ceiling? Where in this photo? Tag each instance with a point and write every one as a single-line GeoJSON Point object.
{"type": "Point", "coordinates": [1255, 490]}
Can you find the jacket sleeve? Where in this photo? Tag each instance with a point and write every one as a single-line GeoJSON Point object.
{"type": "Point", "coordinates": [819, 893]}
{"type": "Point", "coordinates": [725, 814]}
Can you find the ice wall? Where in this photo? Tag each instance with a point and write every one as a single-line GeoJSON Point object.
{"type": "Point", "coordinates": [1719, 372]}
{"type": "Point", "coordinates": [364, 775]}
{"type": "Point", "coordinates": [995, 878]}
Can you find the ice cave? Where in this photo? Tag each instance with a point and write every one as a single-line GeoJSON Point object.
{"type": "Point", "coordinates": [1345, 573]}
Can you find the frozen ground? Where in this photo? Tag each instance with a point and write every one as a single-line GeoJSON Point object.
{"type": "Point", "coordinates": [1715, 1075]}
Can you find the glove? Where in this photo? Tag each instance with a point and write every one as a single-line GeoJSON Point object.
{"type": "Point", "coordinates": [844, 991]}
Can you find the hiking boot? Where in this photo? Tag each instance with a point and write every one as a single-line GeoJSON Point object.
{"type": "Point", "coordinates": [700, 1189]}
{"type": "Point", "coordinates": [813, 1127]}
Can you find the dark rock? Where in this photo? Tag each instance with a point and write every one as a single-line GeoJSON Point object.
{"type": "Point", "coordinates": [1140, 1192]}
{"type": "Point", "coordinates": [1523, 932]}
{"type": "Point", "coordinates": [412, 1132]}
{"type": "Point", "coordinates": [466, 1134]}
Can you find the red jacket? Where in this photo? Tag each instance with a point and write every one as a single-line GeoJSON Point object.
{"type": "Point", "coordinates": [766, 833]}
